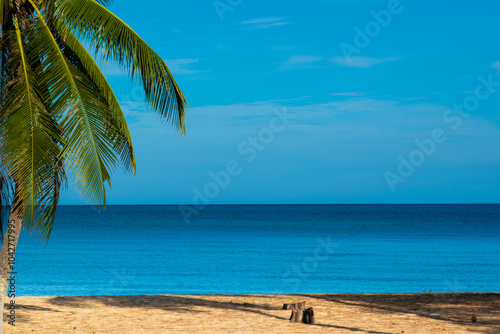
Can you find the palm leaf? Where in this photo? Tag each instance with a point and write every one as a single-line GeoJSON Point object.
{"type": "Point", "coordinates": [30, 141]}
{"type": "Point", "coordinates": [59, 113]}
{"type": "Point", "coordinates": [5, 6]}
{"type": "Point", "coordinates": [77, 54]}
{"type": "Point", "coordinates": [79, 112]}
{"type": "Point", "coordinates": [119, 43]}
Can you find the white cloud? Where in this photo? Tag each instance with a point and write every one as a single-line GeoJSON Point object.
{"type": "Point", "coordinates": [181, 66]}
{"type": "Point", "coordinates": [349, 94]}
{"type": "Point", "coordinates": [265, 23]}
{"type": "Point", "coordinates": [298, 62]}
{"type": "Point", "coordinates": [361, 62]}
{"type": "Point", "coordinates": [301, 62]}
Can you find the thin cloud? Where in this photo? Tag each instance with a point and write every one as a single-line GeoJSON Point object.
{"type": "Point", "coordinates": [182, 66]}
{"type": "Point", "coordinates": [361, 62]}
{"type": "Point", "coordinates": [349, 94]}
{"type": "Point", "coordinates": [299, 62]}
{"type": "Point", "coordinates": [264, 23]}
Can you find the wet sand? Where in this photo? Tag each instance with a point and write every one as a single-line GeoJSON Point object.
{"type": "Point", "coordinates": [334, 313]}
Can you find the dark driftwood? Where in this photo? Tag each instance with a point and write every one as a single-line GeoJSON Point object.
{"type": "Point", "coordinates": [295, 306]}
{"type": "Point", "coordinates": [308, 316]}
{"type": "Point", "coordinates": [297, 316]}
{"type": "Point", "coordinates": [300, 313]}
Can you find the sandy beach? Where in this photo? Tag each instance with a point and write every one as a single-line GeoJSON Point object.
{"type": "Point", "coordinates": [334, 313]}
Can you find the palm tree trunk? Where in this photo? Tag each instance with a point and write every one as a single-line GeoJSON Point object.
{"type": "Point", "coordinates": [7, 261]}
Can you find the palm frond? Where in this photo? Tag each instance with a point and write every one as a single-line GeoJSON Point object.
{"type": "Point", "coordinates": [79, 112]}
{"type": "Point", "coordinates": [117, 42]}
{"type": "Point", "coordinates": [30, 142]}
{"type": "Point", "coordinates": [105, 2]}
{"type": "Point", "coordinates": [77, 54]}
{"type": "Point", "coordinates": [5, 6]}
{"type": "Point", "coordinates": [59, 116]}
{"type": "Point", "coordinates": [46, 211]}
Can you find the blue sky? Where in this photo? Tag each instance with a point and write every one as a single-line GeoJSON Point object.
{"type": "Point", "coordinates": [320, 101]}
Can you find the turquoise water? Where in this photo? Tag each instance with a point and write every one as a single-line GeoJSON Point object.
{"type": "Point", "coordinates": [264, 249]}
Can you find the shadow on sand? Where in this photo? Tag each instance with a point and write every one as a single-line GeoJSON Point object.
{"type": "Point", "coordinates": [457, 308]}
{"type": "Point", "coordinates": [186, 303]}
{"type": "Point", "coordinates": [452, 308]}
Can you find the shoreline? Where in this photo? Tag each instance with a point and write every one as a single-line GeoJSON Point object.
{"type": "Point", "coordinates": [276, 294]}
{"type": "Point", "coordinates": [339, 313]}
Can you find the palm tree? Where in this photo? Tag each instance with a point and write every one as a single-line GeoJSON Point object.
{"type": "Point", "coordinates": [59, 118]}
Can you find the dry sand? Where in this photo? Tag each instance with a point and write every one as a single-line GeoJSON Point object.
{"type": "Point", "coordinates": [339, 313]}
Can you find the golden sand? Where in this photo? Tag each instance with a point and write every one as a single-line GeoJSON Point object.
{"type": "Point", "coordinates": [334, 313]}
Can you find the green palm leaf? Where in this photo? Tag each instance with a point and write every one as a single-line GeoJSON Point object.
{"type": "Point", "coordinates": [75, 51]}
{"type": "Point", "coordinates": [30, 142]}
{"type": "Point", "coordinates": [71, 110]}
{"type": "Point", "coordinates": [58, 114]}
{"type": "Point", "coordinates": [119, 43]}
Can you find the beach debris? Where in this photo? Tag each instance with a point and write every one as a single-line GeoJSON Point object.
{"type": "Point", "coordinates": [297, 316]}
{"type": "Point", "coordinates": [308, 317]}
{"type": "Point", "coordinates": [474, 318]}
{"type": "Point", "coordinates": [295, 306]}
{"type": "Point", "coordinates": [300, 313]}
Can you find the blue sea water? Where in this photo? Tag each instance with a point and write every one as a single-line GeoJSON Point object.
{"type": "Point", "coordinates": [242, 249]}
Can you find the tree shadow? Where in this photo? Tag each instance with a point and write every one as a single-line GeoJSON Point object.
{"type": "Point", "coordinates": [184, 304]}
{"type": "Point", "coordinates": [452, 308]}
{"type": "Point", "coordinates": [19, 308]}
{"type": "Point", "coordinates": [30, 307]}
{"type": "Point", "coordinates": [456, 308]}
{"type": "Point", "coordinates": [163, 302]}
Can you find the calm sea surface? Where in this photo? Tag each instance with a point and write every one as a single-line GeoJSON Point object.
{"type": "Point", "coordinates": [264, 249]}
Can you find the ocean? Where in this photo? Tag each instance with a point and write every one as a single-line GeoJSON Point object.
{"type": "Point", "coordinates": [263, 249]}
